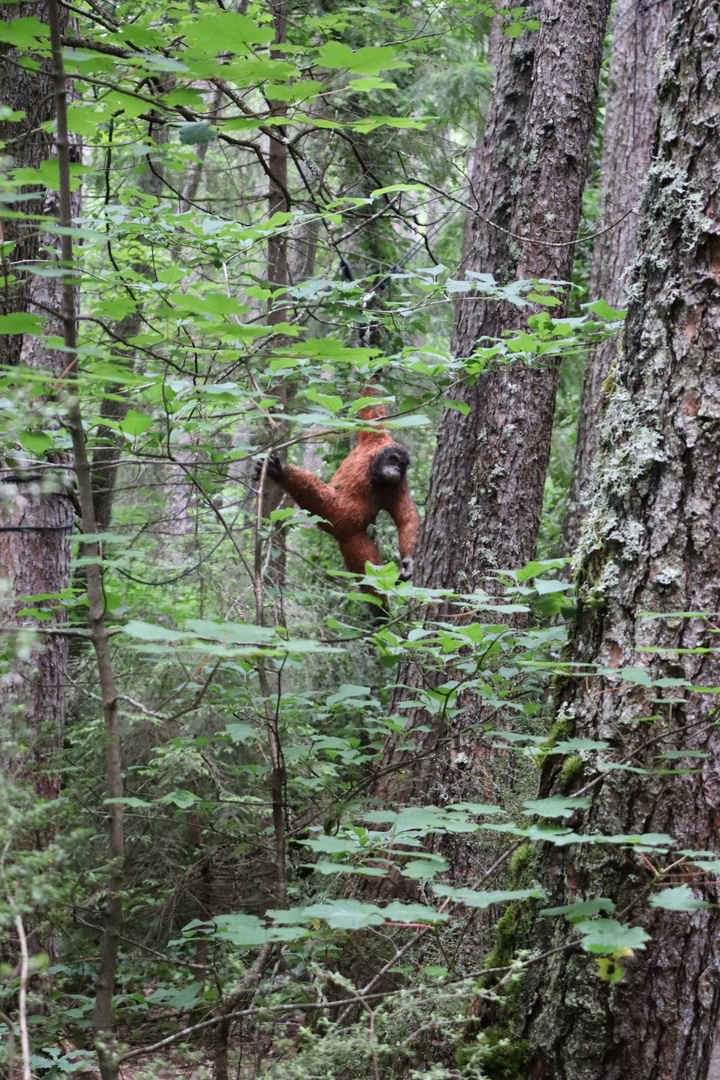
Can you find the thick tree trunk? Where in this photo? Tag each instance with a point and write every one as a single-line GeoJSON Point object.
{"type": "Point", "coordinates": [486, 249]}
{"type": "Point", "coordinates": [639, 32]}
{"type": "Point", "coordinates": [651, 544]}
{"type": "Point", "coordinates": [489, 467]}
{"type": "Point", "coordinates": [35, 526]}
{"type": "Point", "coordinates": [36, 515]}
{"type": "Point", "coordinates": [26, 90]}
{"type": "Point", "coordinates": [516, 402]}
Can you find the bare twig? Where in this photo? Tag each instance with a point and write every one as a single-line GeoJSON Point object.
{"type": "Point", "coordinates": [22, 997]}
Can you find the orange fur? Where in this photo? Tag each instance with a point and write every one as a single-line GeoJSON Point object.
{"type": "Point", "coordinates": [350, 503]}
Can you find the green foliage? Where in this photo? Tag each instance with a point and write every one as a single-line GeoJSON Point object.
{"type": "Point", "coordinates": [246, 663]}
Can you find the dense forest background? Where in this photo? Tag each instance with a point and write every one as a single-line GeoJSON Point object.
{"type": "Point", "coordinates": [260, 817]}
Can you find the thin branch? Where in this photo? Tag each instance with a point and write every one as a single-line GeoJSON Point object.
{"type": "Point", "coordinates": [22, 997]}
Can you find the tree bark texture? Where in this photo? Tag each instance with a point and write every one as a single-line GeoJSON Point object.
{"type": "Point", "coordinates": [30, 91]}
{"type": "Point", "coordinates": [516, 401]}
{"type": "Point", "coordinates": [639, 32]}
{"type": "Point", "coordinates": [486, 250]}
{"type": "Point", "coordinates": [36, 515]}
{"type": "Point", "coordinates": [485, 500]}
{"type": "Point", "coordinates": [35, 527]}
{"type": "Point", "coordinates": [651, 544]}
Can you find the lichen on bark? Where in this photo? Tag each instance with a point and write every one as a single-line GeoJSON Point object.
{"type": "Point", "coordinates": [650, 558]}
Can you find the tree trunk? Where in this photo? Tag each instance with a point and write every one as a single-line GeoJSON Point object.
{"type": "Point", "coordinates": [29, 91]}
{"type": "Point", "coordinates": [278, 277]}
{"type": "Point", "coordinates": [516, 402]}
{"type": "Point", "coordinates": [489, 467]}
{"type": "Point", "coordinates": [651, 544]}
{"type": "Point", "coordinates": [485, 250]}
{"type": "Point", "coordinates": [35, 526]}
{"type": "Point", "coordinates": [638, 34]}
{"type": "Point", "coordinates": [36, 515]}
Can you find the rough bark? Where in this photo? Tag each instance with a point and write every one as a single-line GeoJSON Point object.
{"type": "Point", "coordinates": [485, 250]}
{"type": "Point", "coordinates": [36, 515]}
{"type": "Point", "coordinates": [489, 467]}
{"type": "Point", "coordinates": [29, 91]}
{"type": "Point", "coordinates": [34, 561]}
{"type": "Point", "coordinates": [651, 544]}
{"type": "Point", "coordinates": [639, 32]}
{"type": "Point", "coordinates": [516, 402]}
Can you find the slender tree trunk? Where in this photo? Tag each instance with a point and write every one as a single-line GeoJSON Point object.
{"type": "Point", "coordinates": [277, 272]}
{"type": "Point", "coordinates": [102, 1017]}
{"type": "Point", "coordinates": [651, 544]}
{"type": "Point", "coordinates": [639, 32]}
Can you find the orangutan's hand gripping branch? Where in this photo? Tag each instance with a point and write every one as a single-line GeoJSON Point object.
{"type": "Point", "coordinates": [370, 479]}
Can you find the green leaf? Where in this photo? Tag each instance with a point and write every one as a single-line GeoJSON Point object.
{"type": "Point", "coordinates": [184, 799]}
{"type": "Point", "coordinates": [571, 746]}
{"type": "Point", "coordinates": [37, 442]}
{"type": "Point", "coordinates": [411, 913]}
{"type": "Point", "coordinates": [348, 692]}
{"type": "Point", "coordinates": [636, 675]}
{"type": "Point", "coordinates": [181, 998]}
{"type": "Point", "coordinates": [84, 119]}
{"type": "Point", "coordinates": [21, 322]}
{"type": "Point", "coordinates": [607, 936]}
{"type": "Point", "coordinates": [343, 914]}
{"type": "Point", "coordinates": [477, 808]}
{"type": "Point", "coordinates": [582, 909]}
{"type": "Point", "coordinates": [331, 402]}
{"type": "Point", "coordinates": [231, 633]}
{"type": "Point", "coordinates": [478, 899]}
{"type": "Point", "coordinates": [241, 733]}
{"type": "Point", "coordinates": [23, 33]}
{"type": "Point", "coordinates": [135, 423]}
{"type": "Point", "coordinates": [556, 806]}
{"type": "Point", "coordinates": [423, 819]}
{"type": "Point", "coordinates": [241, 929]}
{"type": "Point", "coordinates": [334, 844]}
{"type": "Point", "coordinates": [149, 632]}
{"type": "Point", "coordinates": [532, 569]}
{"type": "Point", "coordinates": [368, 61]}
{"type": "Point", "coordinates": [197, 133]}
{"type": "Point", "coordinates": [546, 301]}
{"type": "Point", "coordinates": [48, 174]}
{"type": "Point", "coordinates": [426, 868]}
{"type": "Point", "coordinates": [130, 800]}
{"type": "Point", "coordinates": [548, 585]}
{"type": "Point", "coordinates": [678, 899]}
{"type": "Point", "coordinates": [603, 309]}
{"type": "Point", "coordinates": [225, 31]}
{"type": "Point", "coordinates": [459, 406]}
